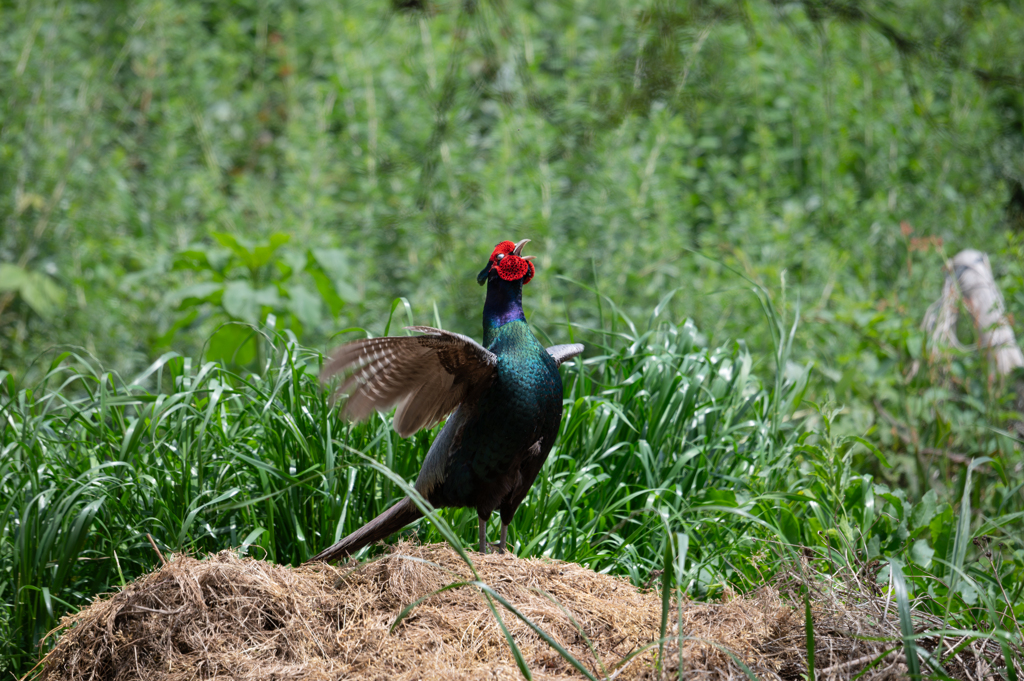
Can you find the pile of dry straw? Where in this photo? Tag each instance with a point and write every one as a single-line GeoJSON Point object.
{"type": "Point", "coordinates": [247, 619]}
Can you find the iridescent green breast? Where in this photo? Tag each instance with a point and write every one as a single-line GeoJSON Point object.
{"type": "Point", "coordinates": [522, 406]}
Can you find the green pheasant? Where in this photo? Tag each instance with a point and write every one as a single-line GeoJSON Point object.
{"type": "Point", "coordinates": [504, 399]}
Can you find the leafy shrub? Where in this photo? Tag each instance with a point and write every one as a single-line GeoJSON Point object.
{"type": "Point", "coordinates": [244, 283]}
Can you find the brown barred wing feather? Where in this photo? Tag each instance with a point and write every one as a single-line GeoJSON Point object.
{"type": "Point", "coordinates": [427, 376]}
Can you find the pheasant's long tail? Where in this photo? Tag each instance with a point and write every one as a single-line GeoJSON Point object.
{"type": "Point", "coordinates": [387, 523]}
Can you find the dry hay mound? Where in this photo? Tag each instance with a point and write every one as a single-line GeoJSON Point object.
{"type": "Point", "coordinates": [248, 619]}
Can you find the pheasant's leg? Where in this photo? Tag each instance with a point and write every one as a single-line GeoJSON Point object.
{"type": "Point", "coordinates": [499, 546]}
{"type": "Point", "coordinates": [483, 536]}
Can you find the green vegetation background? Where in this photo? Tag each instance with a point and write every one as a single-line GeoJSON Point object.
{"type": "Point", "coordinates": [175, 172]}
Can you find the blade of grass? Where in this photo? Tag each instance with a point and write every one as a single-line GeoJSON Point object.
{"type": "Point", "coordinates": [1010, 659]}
{"type": "Point", "coordinates": [809, 636]}
{"type": "Point", "coordinates": [578, 626]}
{"type": "Point", "coordinates": [566, 655]}
{"type": "Point", "coordinates": [906, 622]}
{"type": "Point", "coordinates": [666, 599]}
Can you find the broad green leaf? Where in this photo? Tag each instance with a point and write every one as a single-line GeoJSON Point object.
{"type": "Point", "coordinates": [942, 530]}
{"type": "Point", "coordinates": [240, 247]}
{"type": "Point", "coordinates": [244, 303]}
{"type": "Point", "coordinates": [921, 553]}
{"type": "Point", "coordinates": [12, 277]}
{"type": "Point", "coordinates": [262, 254]}
{"type": "Point", "coordinates": [232, 343]}
{"type": "Point", "coordinates": [195, 259]}
{"type": "Point", "coordinates": [194, 294]}
{"type": "Point", "coordinates": [304, 305]}
{"type": "Point", "coordinates": [42, 293]}
{"type": "Point", "coordinates": [334, 263]}
{"type": "Point", "coordinates": [924, 510]}
{"type": "Point", "coordinates": [789, 526]}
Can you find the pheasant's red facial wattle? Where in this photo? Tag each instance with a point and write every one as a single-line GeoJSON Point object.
{"type": "Point", "coordinates": [509, 265]}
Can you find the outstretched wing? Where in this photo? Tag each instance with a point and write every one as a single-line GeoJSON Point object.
{"type": "Point", "coordinates": [426, 376]}
{"type": "Point", "coordinates": [560, 353]}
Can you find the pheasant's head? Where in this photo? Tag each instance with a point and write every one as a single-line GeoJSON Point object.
{"type": "Point", "coordinates": [508, 262]}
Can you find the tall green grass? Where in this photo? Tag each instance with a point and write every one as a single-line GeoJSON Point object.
{"type": "Point", "coordinates": [672, 454]}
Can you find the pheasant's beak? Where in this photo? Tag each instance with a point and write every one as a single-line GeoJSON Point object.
{"type": "Point", "coordinates": [518, 250]}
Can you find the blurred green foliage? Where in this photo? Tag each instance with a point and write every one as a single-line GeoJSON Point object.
{"type": "Point", "coordinates": [775, 138]}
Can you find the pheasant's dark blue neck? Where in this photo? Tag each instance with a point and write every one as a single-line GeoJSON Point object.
{"type": "Point", "coordinates": [504, 304]}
